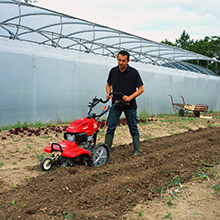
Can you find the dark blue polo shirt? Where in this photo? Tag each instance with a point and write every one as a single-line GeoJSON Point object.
{"type": "Point", "coordinates": [125, 82]}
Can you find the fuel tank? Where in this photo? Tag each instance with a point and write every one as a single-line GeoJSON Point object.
{"type": "Point", "coordinates": [87, 125]}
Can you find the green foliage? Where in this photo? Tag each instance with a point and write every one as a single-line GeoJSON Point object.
{"type": "Point", "coordinates": [28, 146]}
{"type": "Point", "coordinates": [140, 213]}
{"type": "Point", "coordinates": [184, 41]}
{"type": "Point", "coordinates": [167, 42]}
{"type": "Point", "coordinates": [216, 189]}
{"type": "Point", "coordinates": [205, 173]}
{"type": "Point", "coordinates": [25, 124]}
{"type": "Point", "coordinates": [209, 46]}
{"type": "Point", "coordinates": [170, 202]}
{"type": "Point", "coordinates": [144, 115]}
{"type": "Point", "coordinates": [39, 156]}
{"type": "Point", "coordinates": [168, 187]}
{"type": "Point", "coordinates": [168, 216]}
{"type": "Point", "coordinates": [13, 202]}
{"type": "Point", "coordinates": [69, 216]}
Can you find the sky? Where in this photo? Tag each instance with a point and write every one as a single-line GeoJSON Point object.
{"type": "Point", "coordinates": [155, 20]}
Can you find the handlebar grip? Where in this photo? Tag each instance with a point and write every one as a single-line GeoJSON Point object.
{"type": "Point", "coordinates": [104, 100]}
{"type": "Point", "coordinates": [61, 150]}
{"type": "Point", "coordinates": [116, 93]}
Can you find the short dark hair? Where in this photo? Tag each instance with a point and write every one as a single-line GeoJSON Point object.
{"type": "Point", "coordinates": [124, 53]}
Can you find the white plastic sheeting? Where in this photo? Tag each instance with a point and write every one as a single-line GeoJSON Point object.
{"type": "Point", "coordinates": [45, 84]}
{"type": "Point", "coordinates": [27, 22]}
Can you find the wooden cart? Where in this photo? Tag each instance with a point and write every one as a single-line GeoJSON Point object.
{"type": "Point", "coordinates": [183, 107]}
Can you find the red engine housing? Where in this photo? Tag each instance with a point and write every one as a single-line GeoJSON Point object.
{"type": "Point", "coordinates": [87, 125]}
{"type": "Point", "coordinates": [71, 149]}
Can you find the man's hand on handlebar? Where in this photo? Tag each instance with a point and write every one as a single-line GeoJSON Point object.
{"type": "Point", "coordinates": [126, 98]}
{"type": "Point", "coordinates": [108, 96]}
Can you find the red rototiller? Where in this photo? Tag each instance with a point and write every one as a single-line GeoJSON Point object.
{"type": "Point", "coordinates": [79, 144]}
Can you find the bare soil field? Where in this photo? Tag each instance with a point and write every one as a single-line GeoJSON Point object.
{"type": "Point", "coordinates": [176, 176]}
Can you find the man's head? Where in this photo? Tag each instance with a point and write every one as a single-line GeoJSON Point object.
{"type": "Point", "coordinates": [123, 59]}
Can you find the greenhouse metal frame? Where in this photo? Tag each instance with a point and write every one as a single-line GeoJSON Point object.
{"type": "Point", "coordinates": [30, 23]}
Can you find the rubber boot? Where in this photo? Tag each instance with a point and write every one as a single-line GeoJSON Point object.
{"type": "Point", "coordinates": [136, 143]}
{"type": "Point", "coordinates": [108, 140]}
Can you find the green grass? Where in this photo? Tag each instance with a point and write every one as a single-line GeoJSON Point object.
{"type": "Point", "coordinates": [13, 202]}
{"type": "Point", "coordinates": [170, 202]}
{"type": "Point", "coordinates": [39, 156]}
{"type": "Point", "coordinates": [170, 188]}
{"type": "Point", "coordinates": [205, 173]}
{"type": "Point", "coordinates": [168, 216]}
{"type": "Point", "coordinates": [144, 115]}
{"type": "Point", "coordinates": [216, 189]}
{"type": "Point", "coordinates": [147, 136]}
{"type": "Point", "coordinates": [140, 213]}
{"type": "Point", "coordinates": [25, 124]}
{"type": "Point", "coordinates": [15, 186]}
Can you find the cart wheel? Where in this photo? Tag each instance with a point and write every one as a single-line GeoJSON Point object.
{"type": "Point", "coordinates": [46, 164]}
{"type": "Point", "coordinates": [100, 155]}
{"type": "Point", "coordinates": [197, 114]}
{"type": "Point", "coordinates": [181, 112]}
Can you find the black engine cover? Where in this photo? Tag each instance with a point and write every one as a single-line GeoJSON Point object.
{"type": "Point", "coordinates": [79, 137]}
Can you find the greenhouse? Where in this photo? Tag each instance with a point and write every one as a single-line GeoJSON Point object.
{"type": "Point", "coordinates": [53, 64]}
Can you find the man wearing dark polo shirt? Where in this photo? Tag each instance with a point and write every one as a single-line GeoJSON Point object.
{"type": "Point", "coordinates": [126, 80]}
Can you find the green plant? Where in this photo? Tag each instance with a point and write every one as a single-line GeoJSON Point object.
{"type": "Point", "coordinates": [25, 124]}
{"type": "Point", "coordinates": [140, 213]}
{"type": "Point", "coordinates": [167, 115]}
{"type": "Point", "coordinates": [147, 136]}
{"type": "Point", "coordinates": [144, 115]}
{"type": "Point", "coordinates": [39, 156]}
{"type": "Point", "coordinates": [1, 164]}
{"type": "Point", "coordinates": [168, 216]}
{"type": "Point", "coordinates": [216, 188]}
{"type": "Point", "coordinates": [174, 182]}
{"type": "Point", "coordinates": [202, 175]}
{"type": "Point", "coordinates": [211, 111]}
{"type": "Point", "coordinates": [13, 202]}
{"type": "Point", "coordinates": [196, 213]}
{"type": "Point", "coordinates": [129, 190]}
{"type": "Point", "coordinates": [158, 191]}
{"type": "Point", "coordinates": [69, 216]}
{"type": "Point", "coordinates": [210, 125]}
{"type": "Point", "coordinates": [169, 120]}
{"type": "Point", "coordinates": [170, 202]}
{"type": "Point", "coordinates": [168, 187]}
{"type": "Point", "coordinates": [14, 186]}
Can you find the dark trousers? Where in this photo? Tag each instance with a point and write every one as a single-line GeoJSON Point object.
{"type": "Point", "coordinates": [131, 117]}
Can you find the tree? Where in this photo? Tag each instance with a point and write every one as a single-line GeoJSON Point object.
{"type": "Point", "coordinates": [209, 46]}
{"type": "Point", "coordinates": [184, 41]}
{"type": "Point", "coordinates": [167, 42]}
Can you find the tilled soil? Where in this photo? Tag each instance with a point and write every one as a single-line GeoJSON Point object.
{"type": "Point", "coordinates": [110, 191]}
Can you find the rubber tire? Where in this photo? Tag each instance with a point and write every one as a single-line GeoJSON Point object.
{"type": "Point", "coordinates": [181, 112]}
{"type": "Point", "coordinates": [197, 114]}
{"type": "Point", "coordinates": [44, 164]}
{"type": "Point", "coordinates": [100, 155]}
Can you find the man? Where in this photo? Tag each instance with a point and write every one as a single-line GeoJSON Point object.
{"type": "Point", "coordinates": [126, 80]}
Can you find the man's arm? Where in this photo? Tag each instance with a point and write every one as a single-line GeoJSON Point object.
{"type": "Point", "coordinates": [108, 90]}
{"type": "Point", "coordinates": [138, 92]}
